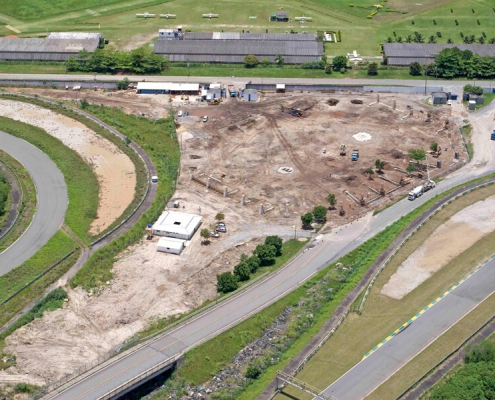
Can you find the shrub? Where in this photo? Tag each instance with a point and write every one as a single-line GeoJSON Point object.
{"type": "Point", "coordinates": [434, 22]}
{"type": "Point", "coordinates": [252, 372]}
{"type": "Point", "coordinates": [276, 242]}
{"type": "Point", "coordinates": [456, 22]}
{"type": "Point", "coordinates": [373, 69]}
{"type": "Point", "coordinates": [484, 351]}
{"type": "Point", "coordinates": [439, 34]}
{"type": "Point", "coordinates": [242, 271]}
{"type": "Point", "coordinates": [250, 61]}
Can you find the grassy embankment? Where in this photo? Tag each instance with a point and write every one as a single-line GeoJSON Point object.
{"type": "Point", "coordinates": [141, 175]}
{"type": "Point", "coordinates": [209, 358]}
{"type": "Point", "coordinates": [28, 204]}
{"type": "Point", "coordinates": [160, 142]}
{"type": "Point", "coordinates": [5, 197]}
{"type": "Point", "coordinates": [466, 130]}
{"type": "Point", "coordinates": [382, 314]}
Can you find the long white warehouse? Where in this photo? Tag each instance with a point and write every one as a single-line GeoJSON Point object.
{"type": "Point", "coordinates": [177, 225]}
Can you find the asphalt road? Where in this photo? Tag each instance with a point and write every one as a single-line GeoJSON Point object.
{"type": "Point", "coordinates": [52, 201]}
{"type": "Point", "coordinates": [225, 315]}
{"type": "Point", "coordinates": [366, 376]}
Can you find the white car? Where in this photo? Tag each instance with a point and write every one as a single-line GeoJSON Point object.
{"type": "Point", "coordinates": [179, 114]}
{"type": "Point", "coordinates": [449, 102]}
{"type": "Point", "coordinates": [205, 118]}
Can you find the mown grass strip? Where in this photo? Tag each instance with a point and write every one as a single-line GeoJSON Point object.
{"type": "Point", "coordinates": [160, 142]}
{"type": "Point", "coordinates": [82, 185]}
{"type": "Point", "coordinates": [56, 248]}
{"type": "Point", "coordinates": [27, 207]}
{"type": "Point", "coordinates": [5, 197]}
{"type": "Point", "coordinates": [209, 358]}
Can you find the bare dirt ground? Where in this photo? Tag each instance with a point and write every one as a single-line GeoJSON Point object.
{"type": "Point", "coordinates": [449, 240]}
{"type": "Point", "coordinates": [241, 147]}
{"type": "Point", "coordinates": [114, 170]}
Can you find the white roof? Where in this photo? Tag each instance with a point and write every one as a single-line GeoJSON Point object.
{"type": "Point", "coordinates": [280, 86]}
{"type": "Point", "coordinates": [74, 35]}
{"type": "Point", "coordinates": [171, 243]}
{"type": "Point", "coordinates": [186, 87]}
{"type": "Point", "coordinates": [165, 30]}
{"type": "Point", "coordinates": [215, 86]}
{"type": "Point", "coordinates": [177, 222]}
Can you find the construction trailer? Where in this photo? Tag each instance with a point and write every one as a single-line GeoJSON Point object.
{"type": "Point", "coordinates": [170, 245]}
{"type": "Point", "coordinates": [250, 95]}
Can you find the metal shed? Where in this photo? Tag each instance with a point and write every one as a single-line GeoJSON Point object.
{"type": "Point", "coordinates": [170, 245]}
{"type": "Point", "coordinates": [439, 98]}
{"type": "Point", "coordinates": [250, 95]}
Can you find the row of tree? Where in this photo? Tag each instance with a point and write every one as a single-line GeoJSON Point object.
{"type": "Point", "coordinates": [4, 193]}
{"type": "Point", "coordinates": [454, 63]}
{"type": "Point", "coordinates": [109, 60]}
{"type": "Point", "coordinates": [419, 38]}
{"type": "Point", "coordinates": [263, 255]}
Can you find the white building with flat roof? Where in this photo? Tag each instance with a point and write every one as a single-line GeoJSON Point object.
{"type": "Point", "coordinates": [177, 225]}
{"type": "Point", "coordinates": [171, 245]}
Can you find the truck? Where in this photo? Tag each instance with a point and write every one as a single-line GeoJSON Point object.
{"type": "Point", "coordinates": [355, 155]}
{"type": "Point", "coordinates": [493, 135]}
{"type": "Point", "coordinates": [232, 91]}
{"type": "Point", "coordinates": [416, 192]}
{"type": "Point", "coordinates": [429, 185]}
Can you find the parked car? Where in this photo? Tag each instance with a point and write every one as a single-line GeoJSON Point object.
{"type": "Point", "coordinates": [180, 113]}
{"type": "Point", "coordinates": [205, 118]}
{"type": "Point", "coordinates": [186, 113]}
{"type": "Point", "coordinates": [449, 102]}
{"type": "Point", "coordinates": [220, 224]}
{"type": "Point", "coordinates": [214, 234]}
{"type": "Point", "coordinates": [222, 229]}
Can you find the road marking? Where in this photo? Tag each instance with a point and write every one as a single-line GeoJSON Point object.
{"type": "Point", "coordinates": [191, 333]}
{"type": "Point", "coordinates": [13, 29]}
{"type": "Point", "coordinates": [421, 312]}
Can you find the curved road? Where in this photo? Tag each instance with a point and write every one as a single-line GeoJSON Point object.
{"type": "Point", "coordinates": [52, 201]}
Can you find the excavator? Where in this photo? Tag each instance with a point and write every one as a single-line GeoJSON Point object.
{"type": "Point", "coordinates": [342, 150]}
{"type": "Point", "coordinates": [292, 111]}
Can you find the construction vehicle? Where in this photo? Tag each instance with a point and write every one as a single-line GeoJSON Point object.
{"type": "Point", "coordinates": [342, 150]}
{"type": "Point", "coordinates": [342, 212]}
{"type": "Point", "coordinates": [416, 192]}
{"type": "Point", "coordinates": [437, 153]}
{"type": "Point", "coordinates": [292, 111]}
{"type": "Point", "coordinates": [355, 155]}
{"type": "Point", "coordinates": [232, 91]}
{"type": "Point", "coordinates": [215, 102]}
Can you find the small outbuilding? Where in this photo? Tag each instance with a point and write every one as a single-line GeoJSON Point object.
{"type": "Point", "coordinates": [250, 95]}
{"type": "Point", "coordinates": [472, 105]}
{"type": "Point", "coordinates": [280, 16]}
{"type": "Point", "coordinates": [177, 225]}
{"type": "Point", "coordinates": [439, 98]}
{"type": "Point", "coordinates": [167, 88]}
{"type": "Point", "coordinates": [213, 93]}
{"type": "Point", "coordinates": [280, 87]}
{"type": "Point", "coordinates": [170, 245]}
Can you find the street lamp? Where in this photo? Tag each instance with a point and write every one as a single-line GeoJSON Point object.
{"type": "Point", "coordinates": [295, 235]}
{"type": "Point", "coordinates": [426, 73]}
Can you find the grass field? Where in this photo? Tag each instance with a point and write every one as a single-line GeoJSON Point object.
{"type": "Point", "coordinates": [28, 205]}
{"type": "Point", "coordinates": [118, 22]}
{"type": "Point", "coordinates": [382, 315]}
{"type": "Point", "coordinates": [82, 185]}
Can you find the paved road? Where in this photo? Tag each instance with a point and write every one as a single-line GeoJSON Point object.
{"type": "Point", "coordinates": [366, 376]}
{"type": "Point", "coordinates": [201, 79]}
{"type": "Point", "coordinates": [52, 201]}
{"type": "Point", "coordinates": [328, 249]}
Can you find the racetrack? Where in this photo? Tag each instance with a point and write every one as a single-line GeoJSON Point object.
{"type": "Point", "coordinates": [52, 201]}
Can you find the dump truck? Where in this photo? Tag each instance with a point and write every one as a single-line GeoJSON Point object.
{"type": "Point", "coordinates": [232, 91]}
{"type": "Point", "coordinates": [355, 155]}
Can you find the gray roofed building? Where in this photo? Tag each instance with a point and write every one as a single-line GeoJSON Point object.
{"type": "Point", "coordinates": [303, 37]}
{"type": "Point", "coordinates": [234, 51]}
{"type": "Point", "coordinates": [403, 54]}
{"type": "Point", "coordinates": [56, 47]}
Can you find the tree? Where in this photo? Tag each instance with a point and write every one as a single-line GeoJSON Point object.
{"type": "Point", "coordinates": [320, 213]}
{"type": "Point", "coordinates": [279, 60]}
{"type": "Point", "coordinates": [434, 146]}
{"type": "Point", "coordinates": [265, 62]}
{"type": "Point", "coordinates": [265, 253]}
{"type": "Point", "coordinates": [205, 234]}
{"type": "Point", "coordinates": [226, 282]}
{"type": "Point", "coordinates": [483, 351]}
{"type": "Point", "coordinates": [332, 200]}
{"type": "Point", "coordinates": [84, 104]}
{"type": "Point", "coordinates": [379, 164]}
{"type": "Point", "coordinates": [473, 89]}
{"type": "Point", "coordinates": [252, 372]}
{"type": "Point", "coordinates": [276, 242]}
{"type": "Point", "coordinates": [399, 39]}
{"type": "Point", "coordinates": [370, 172]}
{"type": "Point", "coordinates": [373, 68]}
{"type": "Point", "coordinates": [410, 168]}
{"type": "Point", "coordinates": [123, 84]}
{"type": "Point", "coordinates": [432, 39]}
{"type": "Point", "coordinates": [307, 219]}
{"type": "Point", "coordinates": [389, 40]}
{"type": "Point", "coordinates": [417, 154]}
{"type": "Point", "coordinates": [250, 61]}
{"type": "Point", "coordinates": [481, 40]}
{"type": "Point", "coordinates": [220, 217]}
{"type": "Point", "coordinates": [491, 41]}
{"type": "Point", "coordinates": [328, 69]}
{"type": "Point", "coordinates": [339, 62]}
{"type": "Point", "coordinates": [242, 271]}
{"type": "Point", "coordinates": [409, 39]}
{"type": "Point", "coordinates": [450, 41]}
{"type": "Point", "coordinates": [254, 263]}
{"type": "Point", "coordinates": [415, 69]}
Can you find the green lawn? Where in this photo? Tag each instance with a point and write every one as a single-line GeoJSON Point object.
{"type": "Point", "coordinates": [382, 315]}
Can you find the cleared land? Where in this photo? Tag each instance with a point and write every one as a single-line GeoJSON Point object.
{"type": "Point", "coordinates": [382, 314]}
